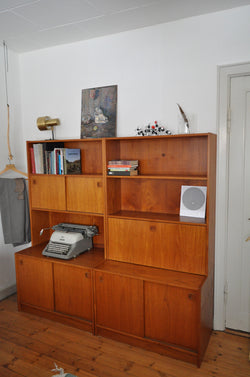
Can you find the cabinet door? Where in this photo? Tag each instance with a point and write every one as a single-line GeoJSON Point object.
{"type": "Point", "coordinates": [177, 247]}
{"type": "Point", "coordinates": [119, 303]}
{"type": "Point", "coordinates": [35, 282]}
{"type": "Point", "coordinates": [172, 314]}
{"type": "Point", "coordinates": [73, 291]}
{"type": "Point", "coordinates": [85, 194]}
{"type": "Point", "coordinates": [48, 192]}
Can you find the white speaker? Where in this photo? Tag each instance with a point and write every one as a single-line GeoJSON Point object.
{"type": "Point", "coordinates": [193, 201]}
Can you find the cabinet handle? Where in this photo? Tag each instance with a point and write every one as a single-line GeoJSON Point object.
{"type": "Point", "coordinates": [99, 184]}
{"type": "Point", "coordinates": [152, 228]}
{"type": "Point", "coordinates": [21, 262]}
{"type": "Point", "coordinates": [101, 278]}
{"type": "Point", "coordinates": [191, 296]}
{"type": "Point", "coordinates": [33, 181]}
{"type": "Point", "coordinates": [86, 275]}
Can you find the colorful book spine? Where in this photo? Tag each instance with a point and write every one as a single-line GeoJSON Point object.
{"type": "Point", "coordinates": [32, 159]}
{"type": "Point", "coordinates": [123, 162]}
{"type": "Point", "coordinates": [122, 169]}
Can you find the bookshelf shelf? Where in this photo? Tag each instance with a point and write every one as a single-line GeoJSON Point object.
{"type": "Point", "coordinates": [166, 177]}
{"type": "Point", "coordinates": [157, 217]}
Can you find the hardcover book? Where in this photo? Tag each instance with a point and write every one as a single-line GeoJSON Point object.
{"type": "Point", "coordinates": [73, 161]}
{"type": "Point", "coordinates": [38, 157]}
{"type": "Point", "coordinates": [122, 168]}
{"type": "Point", "coordinates": [131, 172]}
{"type": "Point", "coordinates": [123, 162]}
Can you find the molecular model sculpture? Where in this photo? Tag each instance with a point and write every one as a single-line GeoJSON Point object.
{"type": "Point", "coordinates": [154, 129]}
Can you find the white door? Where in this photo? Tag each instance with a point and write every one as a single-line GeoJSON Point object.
{"type": "Point", "coordinates": [238, 244]}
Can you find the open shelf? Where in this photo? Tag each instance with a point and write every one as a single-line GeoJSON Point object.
{"type": "Point", "coordinates": [163, 156]}
{"type": "Point", "coordinates": [168, 177]}
{"type": "Point", "coordinates": [91, 153]}
{"type": "Point", "coordinates": [147, 195]}
{"type": "Point", "coordinates": [162, 217]}
{"type": "Point", "coordinates": [48, 218]}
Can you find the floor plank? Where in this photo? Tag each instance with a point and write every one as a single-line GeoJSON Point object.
{"type": "Point", "coordinates": [30, 345]}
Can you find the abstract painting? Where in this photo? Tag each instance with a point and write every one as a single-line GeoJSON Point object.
{"type": "Point", "coordinates": [98, 112]}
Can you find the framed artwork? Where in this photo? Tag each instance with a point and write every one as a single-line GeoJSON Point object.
{"type": "Point", "coordinates": [98, 112]}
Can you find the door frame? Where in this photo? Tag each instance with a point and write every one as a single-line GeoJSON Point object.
{"type": "Point", "coordinates": [224, 74]}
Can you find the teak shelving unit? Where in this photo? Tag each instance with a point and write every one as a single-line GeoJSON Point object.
{"type": "Point", "coordinates": [148, 280]}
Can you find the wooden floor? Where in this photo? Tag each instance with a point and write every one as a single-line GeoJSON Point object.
{"type": "Point", "coordinates": [29, 346]}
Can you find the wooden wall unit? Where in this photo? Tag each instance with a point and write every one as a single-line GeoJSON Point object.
{"type": "Point", "coordinates": [149, 278]}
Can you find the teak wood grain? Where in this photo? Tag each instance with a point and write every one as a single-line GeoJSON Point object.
{"type": "Point", "coordinates": [35, 282]}
{"type": "Point", "coordinates": [73, 291]}
{"type": "Point", "coordinates": [119, 303]}
{"type": "Point", "coordinates": [147, 194]}
{"type": "Point", "coordinates": [48, 192]}
{"type": "Point", "coordinates": [163, 156]}
{"type": "Point", "coordinates": [148, 280]}
{"type": "Point", "coordinates": [85, 194]}
{"type": "Point", "coordinates": [158, 275]}
{"type": "Point", "coordinates": [171, 314]}
{"type": "Point", "coordinates": [171, 246]}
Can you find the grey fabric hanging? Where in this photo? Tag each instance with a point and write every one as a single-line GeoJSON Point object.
{"type": "Point", "coordinates": [14, 207]}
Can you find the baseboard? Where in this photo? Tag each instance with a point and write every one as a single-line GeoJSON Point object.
{"type": "Point", "coordinates": [4, 293]}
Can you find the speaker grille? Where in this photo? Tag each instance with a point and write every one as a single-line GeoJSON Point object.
{"type": "Point", "coordinates": [193, 198]}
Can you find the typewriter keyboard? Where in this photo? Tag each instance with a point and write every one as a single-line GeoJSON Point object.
{"type": "Point", "coordinates": [58, 248]}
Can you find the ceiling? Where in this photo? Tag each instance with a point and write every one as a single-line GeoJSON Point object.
{"type": "Point", "coordinates": [27, 25]}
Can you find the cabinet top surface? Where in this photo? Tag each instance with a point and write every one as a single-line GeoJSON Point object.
{"type": "Point", "coordinates": [95, 259]}
{"type": "Point", "coordinates": [126, 138]}
{"type": "Point", "coordinates": [88, 259]}
{"type": "Point", "coordinates": [157, 275]}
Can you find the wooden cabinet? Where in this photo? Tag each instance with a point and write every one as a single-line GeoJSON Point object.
{"type": "Point", "coordinates": [73, 291]}
{"type": "Point", "coordinates": [171, 314]}
{"type": "Point", "coordinates": [48, 192]}
{"type": "Point", "coordinates": [85, 194]}
{"type": "Point", "coordinates": [154, 241]}
{"type": "Point", "coordinates": [34, 282]}
{"type": "Point", "coordinates": [119, 303]}
{"type": "Point", "coordinates": [148, 280]}
{"type": "Point", "coordinates": [57, 289]}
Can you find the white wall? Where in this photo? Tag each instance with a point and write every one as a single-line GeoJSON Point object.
{"type": "Point", "coordinates": [154, 68]}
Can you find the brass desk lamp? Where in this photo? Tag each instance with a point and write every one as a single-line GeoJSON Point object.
{"type": "Point", "coordinates": [45, 124]}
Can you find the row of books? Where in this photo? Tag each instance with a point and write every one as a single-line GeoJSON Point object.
{"type": "Point", "coordinates": [53, 158]}
{"type": "Point", "coordinates": [123, 167]}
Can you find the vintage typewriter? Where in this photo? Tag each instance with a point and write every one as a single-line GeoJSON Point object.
{"type": "Point", "coordinates": [69, 240]}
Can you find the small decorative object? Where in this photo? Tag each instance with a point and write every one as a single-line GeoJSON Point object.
{"type": "Point", "coordinates": [153, 129]}
{"type": "Point", "coordinates": [61, 372]}
{"type": "Point", "coordinates": [45, 124]}
{"type": "Point", "coordinates": [186, 123]}
{"type": "Point", "coordinates": [98, 113]}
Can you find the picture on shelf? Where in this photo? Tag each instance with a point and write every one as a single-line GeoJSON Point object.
{"type": "Point", "coordinates": [98, 112]}
{"type": "Point", "coordinates": [73, 161]}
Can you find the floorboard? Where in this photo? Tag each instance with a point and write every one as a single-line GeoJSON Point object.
{"type": "Point", "coordinates": [30, 345]}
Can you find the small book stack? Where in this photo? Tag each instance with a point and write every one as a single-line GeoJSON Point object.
{"type": "Point", "coordinates": [123, 167]}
